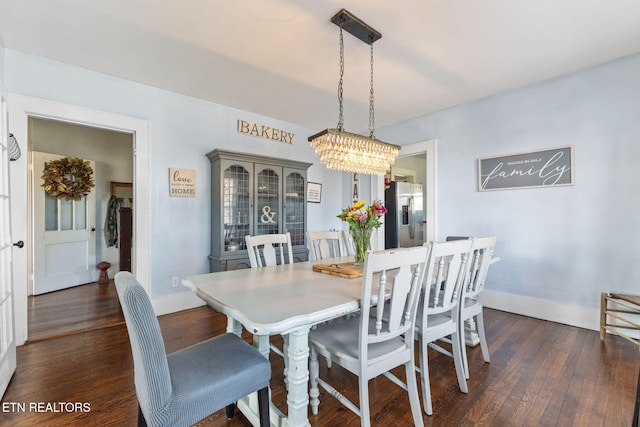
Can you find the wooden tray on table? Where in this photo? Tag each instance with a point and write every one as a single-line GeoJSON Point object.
{"type": "Point", "coordinates": [348, 270]}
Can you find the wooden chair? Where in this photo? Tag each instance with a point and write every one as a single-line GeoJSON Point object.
{"type": "Point", "coordinates": [619, 313]}
{"type": "Point", "coordinates": [184, 387]}
{"type": "Point", "coordinates": [382, 337]}
{"type": "Point", "coordinates": [325, 244]}
{"type": "Point", "coordinates": [266, 250]}
{"type": "Point", "coordinates": [349, 246]}
{"type": "Point", "coordinates": [269, 249]}
{"type": "Point", "coordinates": [471, 307]}
{"type": "Point", "coordinates": [439, 311]}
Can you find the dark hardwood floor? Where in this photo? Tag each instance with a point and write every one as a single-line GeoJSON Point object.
{"type": "Point", "coordinates": [69, 311]}
{"type": "Point", "coordinates": [541, 374]}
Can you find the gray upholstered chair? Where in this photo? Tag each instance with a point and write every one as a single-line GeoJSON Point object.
{"type": "Point", "coordinates": [184, 387]}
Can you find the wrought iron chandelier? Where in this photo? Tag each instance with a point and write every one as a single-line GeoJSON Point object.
{"type": "Point", "coordinates": [346, 151]}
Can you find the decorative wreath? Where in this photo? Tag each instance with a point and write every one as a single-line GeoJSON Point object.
{"type": "Point", "coordinates": [70, 178]}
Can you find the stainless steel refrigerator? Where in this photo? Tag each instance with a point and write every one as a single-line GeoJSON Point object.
{"type": "Point", "coordinates": [404, 221]}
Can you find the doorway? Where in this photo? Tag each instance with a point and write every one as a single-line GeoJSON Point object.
{"type": "Point", "coordinates": [409, 224]}
{"type": "Point", "coordinates": [59, 228]}
{"type": "Point", "coordinates": [70, 237]}
{"type": "Point", "coordinates": [418, 154]}
{"type": "Point", "coordinates": [22, 109]}
{"type": "Point", "coordinates": [428, 149]}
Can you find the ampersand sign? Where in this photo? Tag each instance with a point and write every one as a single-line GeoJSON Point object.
{"type": "Point", "coordinates": [267, 215]}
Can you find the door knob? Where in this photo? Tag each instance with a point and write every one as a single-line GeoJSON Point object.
{"type": "Point", "coordinates": [19, 244]}
{"type": "Point", "coordinates": [93, 229]}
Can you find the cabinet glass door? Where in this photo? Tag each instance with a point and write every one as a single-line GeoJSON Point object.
{"type": "Point", "coordinates": [295, 206]}
{"type": "Point", "coordinates": [236, 206]}
{"type": "Point", "coordinates": [268, 194]}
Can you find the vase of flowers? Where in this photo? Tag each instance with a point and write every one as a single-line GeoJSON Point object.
{"type": "Point", "coordinates": [362, 221]}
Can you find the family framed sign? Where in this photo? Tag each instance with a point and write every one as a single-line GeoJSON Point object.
{"type": "Point", "coordinates": [545, 168]}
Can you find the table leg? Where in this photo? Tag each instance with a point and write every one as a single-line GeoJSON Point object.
{"type": "Point", "coordinates": [234, 326]}
{"type": "Point", "coordinates": [298, 377]}
{"type": "Point", "coordinates": [297, 356]}
{"type": "Point", "coordinates": [261, 342]}
{"type": "Point", "coordinates": [249, 405]}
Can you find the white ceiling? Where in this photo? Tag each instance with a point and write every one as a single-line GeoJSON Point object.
{"type": "Point", "coordinates": [279, 58]}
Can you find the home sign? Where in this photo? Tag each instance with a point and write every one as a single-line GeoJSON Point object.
{"type": "Point", "coordinates": [182, 182]}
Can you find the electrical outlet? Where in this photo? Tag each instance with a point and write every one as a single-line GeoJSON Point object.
{"type": "Point", "coordinates": [175, 281]}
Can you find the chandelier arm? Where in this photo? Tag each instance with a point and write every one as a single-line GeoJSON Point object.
{"type": "Point", "coordinates": [372, 118]}
{"type": "Point", "coordinates": [340, 100]}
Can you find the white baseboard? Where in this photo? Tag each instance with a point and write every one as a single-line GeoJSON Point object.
{"type": "Point", "coordinates": [573, 315]}
{"type": "Point", "coordinates": [176, 302]}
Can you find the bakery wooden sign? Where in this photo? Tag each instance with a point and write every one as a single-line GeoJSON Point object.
{"type": "Point", "coordinates": [265, 132]}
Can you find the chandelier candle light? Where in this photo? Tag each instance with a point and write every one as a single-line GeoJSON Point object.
{"type": "Point", "coordinates": [345, 151]}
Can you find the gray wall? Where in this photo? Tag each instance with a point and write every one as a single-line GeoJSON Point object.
{"type": "Point", "coordinates": [565, 244]}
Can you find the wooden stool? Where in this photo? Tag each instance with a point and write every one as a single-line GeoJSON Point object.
{"type": "Point", "coordinates": [626, 310]}
{"type": "Point", "coordinates": [104, 277]}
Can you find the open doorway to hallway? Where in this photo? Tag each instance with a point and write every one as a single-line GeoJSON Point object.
{"type": "Point", "coordinates": [112, 154]}
{"type": "Point", "coordinates": [405, 198]}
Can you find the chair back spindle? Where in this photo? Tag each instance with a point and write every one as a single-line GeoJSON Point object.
{"type": "Point", "coordinates": [265, 249]}
{"type": "Point", "coordinates": [325, 244]}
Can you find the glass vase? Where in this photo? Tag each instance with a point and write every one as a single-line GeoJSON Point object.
{"type": "Point", "coordinates": [361, 240]}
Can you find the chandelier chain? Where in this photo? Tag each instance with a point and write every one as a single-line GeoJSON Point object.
{"type": "Point", "coordinates": [346, 151]}
{"type": "Point", "coordinates": [372, 118]}
{"type": "Point", "coordinates": [341, 111]}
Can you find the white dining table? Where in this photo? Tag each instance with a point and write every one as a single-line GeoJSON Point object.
{"type": "Point", "coordinates": [288, 300]}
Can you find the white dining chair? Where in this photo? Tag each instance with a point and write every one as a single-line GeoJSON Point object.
{"type": "Point", "coordinates": [439, 311]}
{"type": "Point", "coordinates": [269, 249]}
{"type": "Point", "coordinates": [325, 244]}
{"type": "Point", "coordinates": [382, 338]}
{"type": "Point", "coordinates": [347, 240]}
{"type": "Point", "coordinates": [471, 307]}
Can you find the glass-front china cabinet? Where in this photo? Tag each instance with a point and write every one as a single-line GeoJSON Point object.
{"type": "Point", "coordinates": [253, 195]}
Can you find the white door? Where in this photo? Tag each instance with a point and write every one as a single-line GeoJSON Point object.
{"type": "Point", "coordinates": [64, 235]}
{"type": "Point", "coordinates": [7, 334]}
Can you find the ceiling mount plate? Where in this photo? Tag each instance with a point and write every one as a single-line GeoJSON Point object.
{"type": "Point", "coordinates": [355, 26]}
